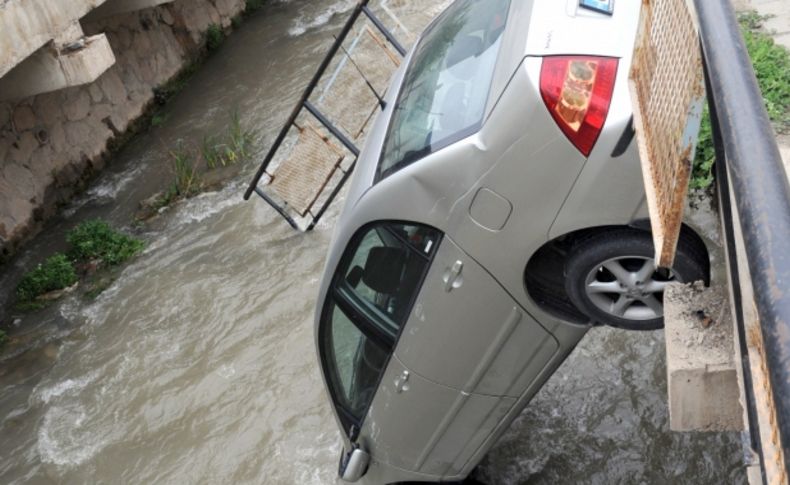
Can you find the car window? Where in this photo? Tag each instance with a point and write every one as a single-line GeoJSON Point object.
{"type": "Point", "coordinates": [358, 362]}
{"type": "Point", "coordinates": [385, 272]}
{"type": "Point", "coordinates": [370, 298]}
{"type": "Point", "coordinates": [445, 88]}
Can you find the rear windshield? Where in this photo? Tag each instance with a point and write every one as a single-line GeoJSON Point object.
{"type": "Point", "coordinates": [446, 86]}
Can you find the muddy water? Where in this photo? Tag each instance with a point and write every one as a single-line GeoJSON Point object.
{"type": "Point", "coordinates": [197, 365]}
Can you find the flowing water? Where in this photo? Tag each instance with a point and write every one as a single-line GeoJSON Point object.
{"type": "Point", "coordinates": [197, 365]}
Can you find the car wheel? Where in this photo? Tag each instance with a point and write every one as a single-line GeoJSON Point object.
{"type": "Point", "coordinates": [611, 277]}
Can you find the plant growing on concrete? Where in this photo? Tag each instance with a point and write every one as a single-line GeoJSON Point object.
{"type": "Point", "coordinates": [240, 139]}
{"type": "Point", "coordinates": [55, 273]}
{"type": "Point", "coordinates": [253, 5]}
{"type": "Point", "coordinates": [158, 119]}
{"type": "Point", "coordinates": [772, 66]}
{"type": "Point", "coordinates": [96, 240]}
{"type": "Point", "coordinates": [187, 181]}
{"type": "Point", "coordinates": [210, 150]}
{"type": "Point", "coordinates": [214, 37]}
{"type": "Point", "coordinates": [236, 149]}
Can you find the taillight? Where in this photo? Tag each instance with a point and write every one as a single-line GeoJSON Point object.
{"type": "Point", "coordinates": [578, 91]}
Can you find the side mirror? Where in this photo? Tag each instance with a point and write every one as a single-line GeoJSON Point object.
{"type": "Point", "coordinates": [353, 464]}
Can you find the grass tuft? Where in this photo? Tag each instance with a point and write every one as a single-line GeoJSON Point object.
{"type": "Point", "coordinates": [236, 148]}
{"type": "Point", "coordinates": [96, 240]}
{"type": "Point", "coordinates": [253, 5]}
{"type": "Point", "coordinates": [211, 151]}
{"type": "Point", "coordinates": [187, 181]}
{"type": "Point", "coordinates": [240, 139]}
{"type": "Point", "coordinates": [56, 273]}
{"type": "Point", "coordinates": [772, 67]}
{"type": "Point", "coordinates": [158, 119]}
{"type": "Point", "coordinates": [93, 244]}
{"type": "Point", "coordinates": [214, 37]}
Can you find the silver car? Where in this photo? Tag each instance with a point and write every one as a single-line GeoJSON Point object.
{"type": "Point", "coordinates": [496, 213]}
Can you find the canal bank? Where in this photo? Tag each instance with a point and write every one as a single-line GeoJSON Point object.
{"type": "Point", "coordinates": [75, 79]}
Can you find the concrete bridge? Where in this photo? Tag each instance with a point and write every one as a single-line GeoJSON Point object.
{"type": "Point", "coordinates": [73, 75]}
{"type": "Point", "coordinates": [43, 47]}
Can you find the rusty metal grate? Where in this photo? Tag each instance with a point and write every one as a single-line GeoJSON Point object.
{"type": "Point", "coordinates": [346, 98]}
{"type": "Point", "coordinates": [301, 178]}
{"type": "Point", "coordinates": [668, 90]}
{"type": "Point", "coordinates": [344, 94]}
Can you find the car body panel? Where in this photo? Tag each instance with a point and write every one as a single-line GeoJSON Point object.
{"type": "Point", "coordinates": [567, 28]}
{"type": "Point", "coordinates": [419, 429]}
{"type": "Point", "coordinates": [494, 347]}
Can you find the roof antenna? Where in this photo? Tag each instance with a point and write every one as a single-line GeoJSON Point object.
{"type": "Point", "coordinates": [382, 103]}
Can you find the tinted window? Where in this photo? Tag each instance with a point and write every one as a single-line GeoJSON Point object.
{"type": "Point", "coordinates": [370, 299]}
{"type": "Point", "coordinates": [358, 362]}
{"type": "Point", "coordinates": [445, 88]}
{"type": "Point", "coordinates": [384, 272]}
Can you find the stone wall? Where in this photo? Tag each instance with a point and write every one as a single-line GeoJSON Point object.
{"type": "Point", "coordinates": [52, 143]}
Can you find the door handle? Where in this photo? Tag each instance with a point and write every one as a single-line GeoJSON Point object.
{"type": "Point", "coordinates": [401, 383]}
{"type": "Point", "coordinates": [452, 277]}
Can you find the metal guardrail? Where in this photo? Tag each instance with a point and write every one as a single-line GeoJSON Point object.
{"type": "Point", "coordinates": [748, 159]}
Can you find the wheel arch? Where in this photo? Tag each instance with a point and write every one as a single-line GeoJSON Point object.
{"type": "Point", "coordinates": [545, 285]}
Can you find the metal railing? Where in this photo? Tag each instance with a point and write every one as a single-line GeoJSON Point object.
{"type": "Point", "coordinates": [750, 168]}
{"type": "Point", "coordinates": [361, 9]}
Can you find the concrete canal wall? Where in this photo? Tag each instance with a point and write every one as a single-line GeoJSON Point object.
{"type": "Point", "coordinates": [73, 75]}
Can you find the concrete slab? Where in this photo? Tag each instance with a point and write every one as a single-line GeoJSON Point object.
{"type": "Point", "coordinates": [115, 7]}
{"type": "Point", "coordinates": [50, 69]}
{"type": "Point", "coordinates": [26, 25]}
{"type": "Point", "coordinates": [703, 383]}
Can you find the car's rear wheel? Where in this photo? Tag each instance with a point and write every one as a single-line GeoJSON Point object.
{"type": "Point", "coordinates": [611, 277]}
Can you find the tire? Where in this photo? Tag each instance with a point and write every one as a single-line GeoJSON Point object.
{"type": "Point", "coordinates": [610, 277]}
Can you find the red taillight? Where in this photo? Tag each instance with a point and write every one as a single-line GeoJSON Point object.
{"type": "Point", "coordinates": [578, 91]}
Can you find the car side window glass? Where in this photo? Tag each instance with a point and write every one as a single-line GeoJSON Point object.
{"type": "Point", "coordinates": [446, 86]}
{"type": "Point", "coordinates": [385, 271]}
{"type": "Point", "coordinates": [359, 362]}
{"type": "Point", "coordinates": [370, 298]}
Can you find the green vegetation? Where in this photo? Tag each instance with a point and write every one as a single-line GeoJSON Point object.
{"type": "Point", "coordinates": [702, 171]}
{"type": "Point", "coordinates": [253, 5]}
{"type": "Point", "coordinates": [772, 66]}
{"type": "Point", "coordinates": [3, 338]}
{"type": "Point", "coordinates": [187, 181]}
{"type": "Point", "coordinates": [93, 244]}
{"type": "Point", "coordinates": [211, 151]}
{"type": "Point", "coordinates": [214, 37]}
{"type": "Point", "coordinates": [158, 119]}
{"type": "Point", "coordinates": [240, 139]}
{"type": "Point", "coordinates": [56, 273]}
{"type": "Point", "coordinates": [96, 240]}
{"type": "Point", "coordinates": [234, 149]}
{"type": "Point", "coordinates": [214, 151]}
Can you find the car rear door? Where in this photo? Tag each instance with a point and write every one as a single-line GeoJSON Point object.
{"type": "Point", "coordinates": [464, 356]}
